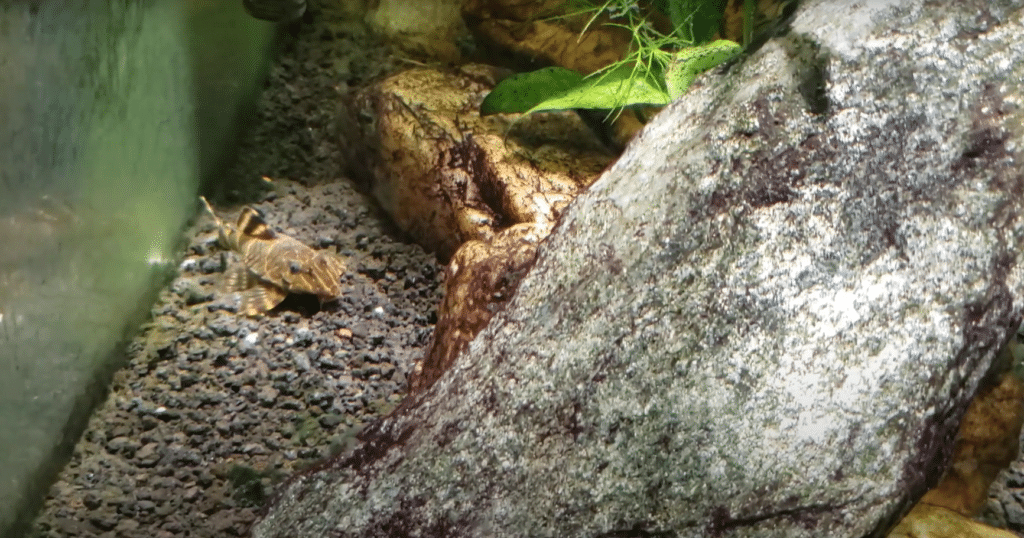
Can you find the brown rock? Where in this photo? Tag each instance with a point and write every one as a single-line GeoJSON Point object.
{"type": "Point", "coordinates": [445, 175]}
{"type": "Point", "coordinates": [449, 177]}
{"type": "Point", "coordinates": [481, 277]}
{"type": "Point", "coordinates": [928, 521]}
{"type": "Point", "coordinates": [986, 445]}
{"type": "Point", "coordinates": [547, 33]}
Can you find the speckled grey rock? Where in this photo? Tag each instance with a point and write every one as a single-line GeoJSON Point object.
{"type": "Point", "coordinates": [765, 320]}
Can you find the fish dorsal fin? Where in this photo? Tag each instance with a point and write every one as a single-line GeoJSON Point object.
{"type": "Point", "coordinates": [226, 233]}
{"type": "Point", "coordinates": [209, 210]}
{"type": "Point", "coordinates": [251, 223]}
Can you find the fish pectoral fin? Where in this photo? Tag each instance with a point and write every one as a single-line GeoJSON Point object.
{"type": "Point", "coordinates": [239, 278]}
{"type": "Point", "coordinates": [260, 299]}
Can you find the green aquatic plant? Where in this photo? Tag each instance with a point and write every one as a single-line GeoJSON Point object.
{"type": "Point", "coordinates": [659, 67]}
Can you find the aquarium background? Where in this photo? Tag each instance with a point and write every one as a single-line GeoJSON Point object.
{"type": "Point", "coordinates": [112, 113]}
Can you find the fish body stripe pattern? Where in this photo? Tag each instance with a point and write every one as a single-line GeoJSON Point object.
{"type": "Point", "coordinates": [276, 264]}
{"type": "Point", "coordinates": [287, 262]}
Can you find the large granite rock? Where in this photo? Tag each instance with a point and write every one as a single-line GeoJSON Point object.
{"type": "Point", "coordinates": [765, 320]}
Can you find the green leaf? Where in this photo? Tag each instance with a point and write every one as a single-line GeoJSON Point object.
{"type": "Point", "coordinates": [690, 62]}
{"type": "Point", "coordinates": [524, 91]}
{"type": "Point", "coordinates": [621, 86]}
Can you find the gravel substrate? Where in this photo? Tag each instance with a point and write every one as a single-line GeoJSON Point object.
{"type": "Point", "coordinates": [214, 408]}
